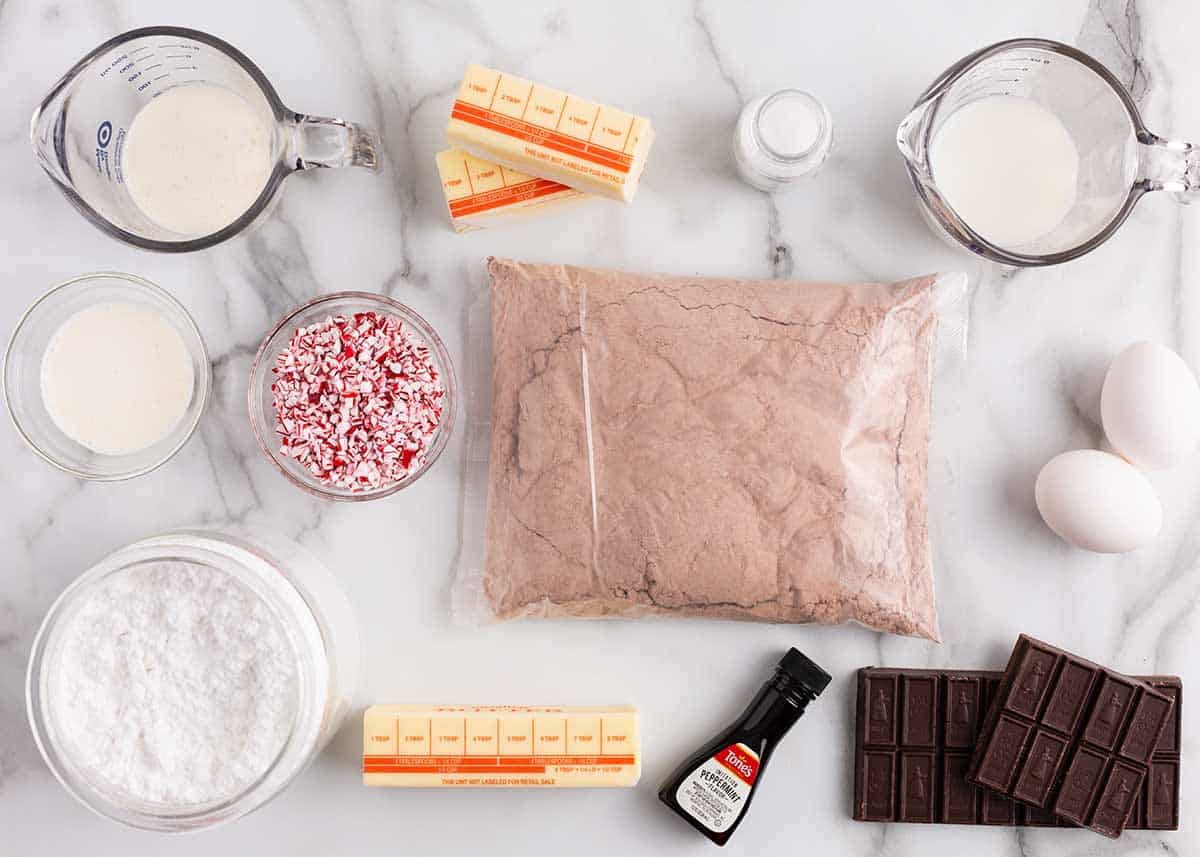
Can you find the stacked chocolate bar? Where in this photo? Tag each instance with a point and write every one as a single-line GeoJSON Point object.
{"type": "Point", "coordinates": [1053, 741]}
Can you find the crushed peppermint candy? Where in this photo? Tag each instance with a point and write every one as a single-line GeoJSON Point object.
{"type": "Point", "coordinates": [357, 400]}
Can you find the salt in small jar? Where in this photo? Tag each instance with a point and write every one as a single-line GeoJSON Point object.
{"type": "Point", "coordinates": [782, 137]}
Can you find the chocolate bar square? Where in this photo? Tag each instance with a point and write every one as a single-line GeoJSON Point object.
{"type": "Point", "coordinates": [1070, 736]}
{"type": "Point", "coordinates": [900, 778]}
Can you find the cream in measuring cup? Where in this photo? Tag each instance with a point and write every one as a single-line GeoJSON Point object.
{"type": "Point", "coordinates": [196, 158]}
{"type": "Point", "coordinates": [1008, 166]}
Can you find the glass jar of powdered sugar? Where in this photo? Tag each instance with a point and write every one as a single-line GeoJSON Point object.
{"type": "Point", "coordinates": [186, 679]}
{"type": "Point", "coordinates": [782, 137]}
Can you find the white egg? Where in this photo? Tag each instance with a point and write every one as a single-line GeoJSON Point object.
{"type": "Point", "coordinates": [1150, 406]}
{"type": "Point", "coordinates": [1098, 501]}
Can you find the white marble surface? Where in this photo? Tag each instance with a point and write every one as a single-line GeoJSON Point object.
{"type": "Point", "coordinates": [1028, 388]}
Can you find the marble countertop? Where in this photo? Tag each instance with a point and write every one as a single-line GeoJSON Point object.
{"type": "Point", "coordinates": [1026, 389]}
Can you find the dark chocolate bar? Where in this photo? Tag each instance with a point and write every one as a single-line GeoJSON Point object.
{"type": "Point", "coordinates": [1069, 736]}
{"type": "Point", "coordinates": [915, 735]}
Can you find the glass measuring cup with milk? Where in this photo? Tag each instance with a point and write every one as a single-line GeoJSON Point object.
{"type": "Point", "coordinates": [1030, 152]}
{"type": "Point", "coordinates": [170, 139]}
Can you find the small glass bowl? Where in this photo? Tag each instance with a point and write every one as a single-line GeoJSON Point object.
{"type": "Point", "coordinates": [262, 408]}
{"type": "Point", "coordinates": [23, 374]}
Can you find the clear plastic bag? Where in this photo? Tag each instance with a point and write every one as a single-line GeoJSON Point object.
{"type": "Point", "coordinates": [642, 445]}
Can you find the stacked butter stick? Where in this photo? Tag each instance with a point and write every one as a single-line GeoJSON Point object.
{"type": "Point", "coordinates": [519, 147]}
{"type": "Point", "coordinates": [1053, 741]}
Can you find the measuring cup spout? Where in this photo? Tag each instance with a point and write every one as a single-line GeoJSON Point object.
{"type": "Point", "coordinates": [47, 134]}
{"type": "Point", "coordinates": [910, 138]}
{"type": "Point", "coordinates": [1170, 165]}
{"type": "Point", "coordinates": [317, 141]}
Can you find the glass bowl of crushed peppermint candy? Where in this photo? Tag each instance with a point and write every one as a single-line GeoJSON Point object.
{"type": "Point", "coordinates": [352, 396]}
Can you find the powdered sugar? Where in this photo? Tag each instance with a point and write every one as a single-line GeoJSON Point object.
{"type": "Point", "coordinates": [357, 400]}
{"type": "Point", "coordinates": [174, 684]}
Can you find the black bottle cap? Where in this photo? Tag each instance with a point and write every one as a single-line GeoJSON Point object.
{"type": "Point", "coordinates": [804, 671]}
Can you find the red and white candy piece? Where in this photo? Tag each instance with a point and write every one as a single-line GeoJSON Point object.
{"type": "Point", "coordinates": [357, 400]}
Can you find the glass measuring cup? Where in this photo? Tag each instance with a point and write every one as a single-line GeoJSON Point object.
{"type": "Point", "coordinates": [1119, 159]}
{"type": "Point", "coordinates": [79, 130]}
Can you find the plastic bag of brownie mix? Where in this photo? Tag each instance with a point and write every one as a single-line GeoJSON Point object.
{"type": "Point", "coordinates": [653, 445]}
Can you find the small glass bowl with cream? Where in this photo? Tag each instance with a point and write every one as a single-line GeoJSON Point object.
{"type": "Point", "coordinates": [106, 376]}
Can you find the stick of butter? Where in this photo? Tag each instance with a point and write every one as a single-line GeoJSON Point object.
{"type": "Point", "coordinates": [481, 193]}
{"type": "Point", "coordinates": [548, 133]}
{"type": "Point", "coordinates": [501, 745]}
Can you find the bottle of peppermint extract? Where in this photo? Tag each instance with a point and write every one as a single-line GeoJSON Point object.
{"type": "Point", "coordinates": [712, 790]}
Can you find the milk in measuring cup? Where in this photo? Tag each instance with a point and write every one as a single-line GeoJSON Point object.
{"type": "Point", "coordinates": [196, 158]}
{"type": "Point", "coordinates": [1007, 166]}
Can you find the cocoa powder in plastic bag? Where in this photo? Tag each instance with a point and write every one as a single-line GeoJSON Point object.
{"type": "Point", "coordinates": [702, 447]}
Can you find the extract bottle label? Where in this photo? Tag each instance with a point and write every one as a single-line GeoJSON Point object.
{"type": "Point", "coordinates": [715, 793]}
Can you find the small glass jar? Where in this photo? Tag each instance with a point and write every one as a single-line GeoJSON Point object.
{"type": "Point", "coordinates": [316, 619]}
{"type": "Point", "coordinates": [782, 137]}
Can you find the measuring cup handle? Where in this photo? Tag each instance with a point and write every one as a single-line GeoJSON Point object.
{"type": "Point", "coordinates": [318, 141]}
{"type": "Point", "coordinates": [1170, 165]}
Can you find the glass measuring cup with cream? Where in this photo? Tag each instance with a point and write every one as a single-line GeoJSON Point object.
{"type": "Point", "coordinates": [171, 139]}
{"type": "Point", "coordinates": [1030, 152]}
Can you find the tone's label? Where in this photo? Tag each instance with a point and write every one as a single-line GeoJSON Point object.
{"type": "Point", "coordinates": [716, 792]}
